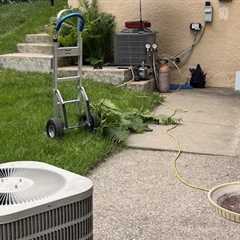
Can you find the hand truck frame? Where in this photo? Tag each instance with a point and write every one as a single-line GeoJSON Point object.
{"type": "Point", "coordinates": [59, 123]}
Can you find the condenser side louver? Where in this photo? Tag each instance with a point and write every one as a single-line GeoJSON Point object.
{"type": "Point", "coordinates": [42, 202]}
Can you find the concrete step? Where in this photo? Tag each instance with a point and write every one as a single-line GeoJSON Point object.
{"type": "Point", "coordinates": [147, 85]}
{"type": "Point", "coordinates": [67, 71]}
{"type": "Point", "coordinates": [112, 75]}
{"type": "Point", "coordinates": [38, 38]}
{"type": "Point", "coordinates": [30, 62]}
{"type": "Point", "coordinates": [43, 48]}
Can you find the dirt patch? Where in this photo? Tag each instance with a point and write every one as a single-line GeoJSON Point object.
{"type": "Point", "coordinates": [230, 202]}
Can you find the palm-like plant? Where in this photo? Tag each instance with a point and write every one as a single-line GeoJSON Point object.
{"type": "Point", "coordinates": [97, 35]}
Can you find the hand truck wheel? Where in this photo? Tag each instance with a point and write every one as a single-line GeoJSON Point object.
{"type": "Point", "coordinates": [90, 124]}
{"type": "Point", "coordinates": [55, 128]}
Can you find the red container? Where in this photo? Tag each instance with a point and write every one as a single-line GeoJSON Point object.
{"type": "Point", "coordinates": [137, 24]}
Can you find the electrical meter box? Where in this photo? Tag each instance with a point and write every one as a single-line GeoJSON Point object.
{"type": "Point", "coordinates": [208, 12]}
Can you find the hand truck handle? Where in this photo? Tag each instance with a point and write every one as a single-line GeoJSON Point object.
{"type": "Point", "coordinates": [71, 15]}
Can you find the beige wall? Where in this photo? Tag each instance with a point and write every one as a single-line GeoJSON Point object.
{"type": "Point", "coordinates": [73, 3]}
{"type": "Point", "coordinates": [219, 50]}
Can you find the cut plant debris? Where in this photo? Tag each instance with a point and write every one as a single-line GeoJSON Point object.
{"type": "Point", "coordinates": [117, 124]}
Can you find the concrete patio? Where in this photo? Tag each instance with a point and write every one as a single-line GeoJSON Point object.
{"type": "Point", "coordinates": [211, 123]}
{"type": "Point", "coordinates": [137, 196]}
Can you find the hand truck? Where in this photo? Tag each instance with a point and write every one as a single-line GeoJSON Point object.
{"type": "Point", "coordinates": [59, 123]}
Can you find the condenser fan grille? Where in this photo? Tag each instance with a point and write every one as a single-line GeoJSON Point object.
{"type": "Point", "coordinates": [7, 199]}
{"type": "Point", "coordinates": [6, 172]}
{"type": "Point", "coordinates": [22, 185]}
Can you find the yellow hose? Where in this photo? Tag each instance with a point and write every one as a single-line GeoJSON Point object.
{"type": "Point", "coordinates": [177, 173]}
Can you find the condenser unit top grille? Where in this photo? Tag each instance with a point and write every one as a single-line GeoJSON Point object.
{"type": "Point", "coordinates": [31, 186]}
{"type": "Point", "coordinates": [23, 185]}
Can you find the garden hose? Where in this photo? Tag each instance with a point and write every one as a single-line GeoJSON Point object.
{"type": "Point", "coordinates": [179, 149]}
{"type": "Point", "coordinates": [224, 191]}
{"type": "Point", "coordinates": [131, 80]}
{"type": "Point", "coordinates": [188, 51]}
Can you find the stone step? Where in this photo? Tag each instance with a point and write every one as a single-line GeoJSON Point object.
{"type": "Point", "coordinates": [35, 62]}
{"type": "Point", "coordinates": [38, 38]}
{"type": "Point", "coordinates": [30, 62]}
{"type": "Point", "coordinates": [147, 85]}
{"type": "Point", "coordinates": [43, 48]}
{"type": "Point", "coordinates": [67, 71]}
{"type": "Point", "coordinates": [112, 75]}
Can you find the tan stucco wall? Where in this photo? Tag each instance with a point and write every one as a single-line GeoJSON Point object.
{"type": "Point", "coordinates": [73, 3]}
{"type": "Point", "coordinates": [219, 50]}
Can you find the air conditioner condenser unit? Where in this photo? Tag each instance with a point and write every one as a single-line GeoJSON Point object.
{"type": "Point", "coordinates": [42, 202]}
{"type": "Point", "coordinates": [129, 47]}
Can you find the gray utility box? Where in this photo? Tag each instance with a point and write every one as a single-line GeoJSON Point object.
{"type": "Point", "coordinates": [129, 47]}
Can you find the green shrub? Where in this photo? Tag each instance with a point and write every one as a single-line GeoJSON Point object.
{"type": "Point", "coordinates": [97, 35]}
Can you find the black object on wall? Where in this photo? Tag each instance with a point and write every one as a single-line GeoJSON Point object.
{"type": "Point", "coordinates": [198, 78]}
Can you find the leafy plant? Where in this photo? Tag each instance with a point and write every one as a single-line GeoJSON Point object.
{"type": "Point", "coordinates": [118, 124]}
{"type": "Point", "coordinates": [95, 62]}
{"type": "Point", "coordinates": [97, 34]}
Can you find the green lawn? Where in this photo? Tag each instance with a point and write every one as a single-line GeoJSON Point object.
{"type": "Point", "coordinates": [19, 19]}
{"type": "Point", "coordinates": [26, 101]}
{"type": "Point", "coordinates": [25, 106]}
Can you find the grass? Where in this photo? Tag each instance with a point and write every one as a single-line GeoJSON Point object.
{"type": "Point", "coordinates": [19, 19]}
{"type": "Point", "coordinates": [26, 101]}
{"type": "Point", "coordinates": [25, 106]}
